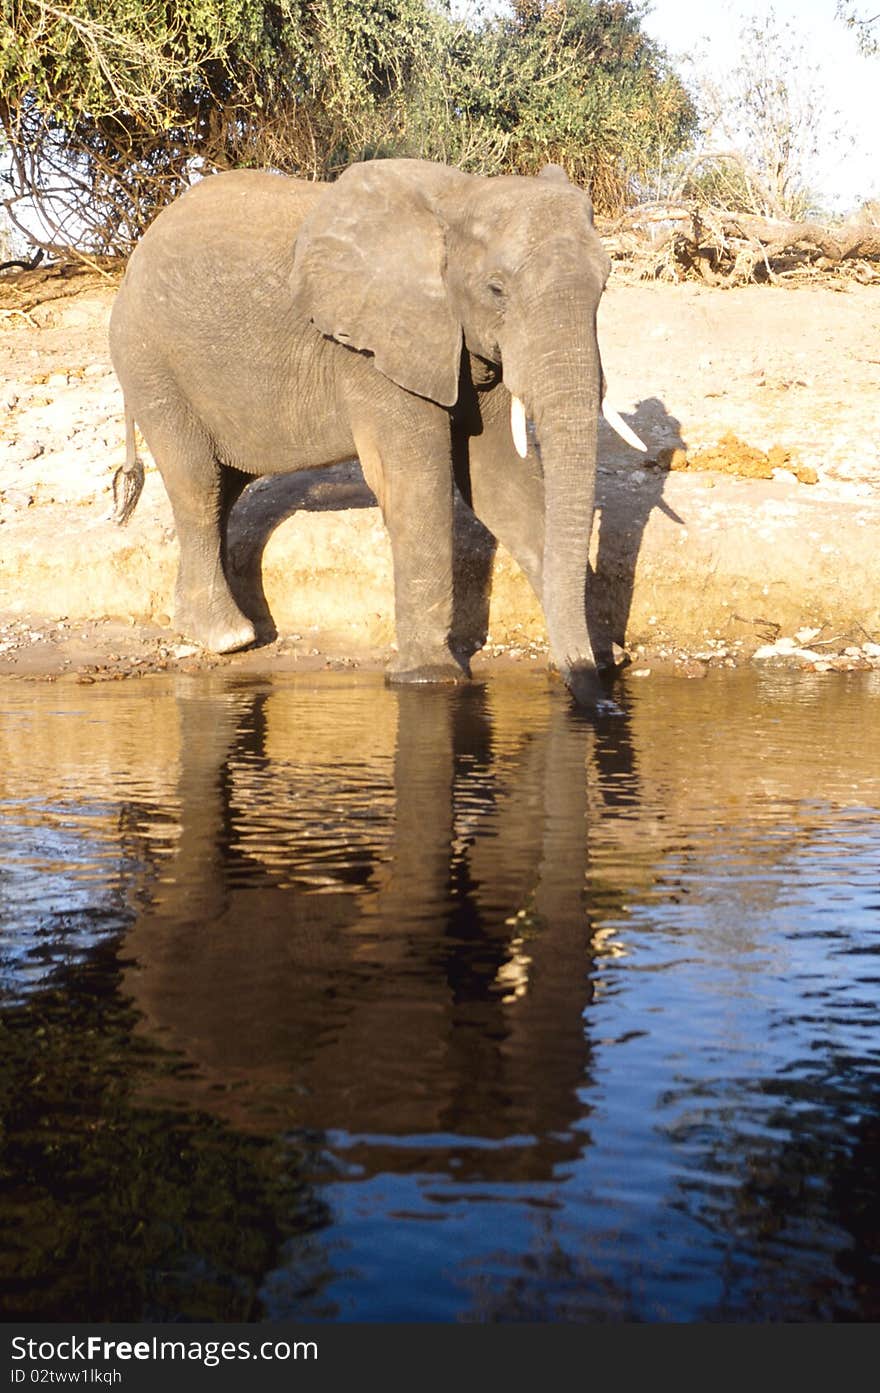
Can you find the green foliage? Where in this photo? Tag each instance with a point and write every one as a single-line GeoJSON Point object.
{"type": "Point", "coordinates": [577, 82]}
{"type": "Point", "coordinates": [107, 105]}
{"type": "Point", "coordinates": [126, 58]}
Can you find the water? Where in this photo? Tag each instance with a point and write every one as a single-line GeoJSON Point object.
{"type": "Point", "coordinates": [323, 1001]}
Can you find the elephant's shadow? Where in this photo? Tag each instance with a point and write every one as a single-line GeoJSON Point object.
{"type": "Point", "coordinates": [625, 498]}
{"type": "Point", "coordinates": [629, 487]}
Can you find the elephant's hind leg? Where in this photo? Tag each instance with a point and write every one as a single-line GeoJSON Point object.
{"type": "Point", "coordinates": [202, 492]}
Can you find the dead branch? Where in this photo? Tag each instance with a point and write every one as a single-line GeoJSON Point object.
{"type": "Point", "coordinates": [682, 239]}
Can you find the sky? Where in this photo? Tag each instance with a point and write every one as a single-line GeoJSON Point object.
{"type": "Point", "coordinates": [849, 173]}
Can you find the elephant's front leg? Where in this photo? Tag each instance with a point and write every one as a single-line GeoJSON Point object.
{"type": "Point", "coordinates": [410, 471]}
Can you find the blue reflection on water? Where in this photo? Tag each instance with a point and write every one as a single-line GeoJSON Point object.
{"type": "Point", "coordinates": [538, 1020]}
{"type": "Point", "coordinates": [58, 897]}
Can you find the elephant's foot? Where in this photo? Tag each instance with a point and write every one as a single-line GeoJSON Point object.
{"type": "Point", "coordinates": [223, 632]}
{"type": "Point", "coordinates": [441, 667]}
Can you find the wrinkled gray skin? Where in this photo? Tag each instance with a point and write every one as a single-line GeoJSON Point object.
{"type": "Point", "coordinates": [266, 324]}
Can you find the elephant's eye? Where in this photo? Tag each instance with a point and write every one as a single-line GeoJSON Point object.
{"type": "Point", "coordinates": [497, 288]}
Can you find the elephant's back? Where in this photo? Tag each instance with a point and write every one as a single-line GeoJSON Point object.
{"type": "Point", "coordinates": [205, 316]}
{"type": "Point", "coordinates": [251, 204]}
{"type": "Point", "coordinates": [231, 233]}
{"type": "Point", "coordinates": [214, 263]}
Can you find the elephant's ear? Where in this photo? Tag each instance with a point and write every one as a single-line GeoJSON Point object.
{"type": "Point", "coordinates": [369, 268]}
{"type": "Point", "coordinates": [557, 175]}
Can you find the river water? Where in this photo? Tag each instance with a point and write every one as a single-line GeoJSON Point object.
{"type": "Point", "coordinates": [324, 1001]}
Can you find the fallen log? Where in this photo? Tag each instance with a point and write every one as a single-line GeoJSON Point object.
{"type": "Point", "coordinates": [680, 239]}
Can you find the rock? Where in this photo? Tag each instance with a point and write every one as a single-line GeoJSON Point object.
{"type": "Point", "coordinates": [785, 649]}
{"type": "Point", "coordinates": [18, 498]}
{"type": "Point", "coordinates": [29, 449]}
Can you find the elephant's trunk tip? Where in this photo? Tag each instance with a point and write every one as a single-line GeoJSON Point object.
{"type": "Point", "coordinates": [130, 476]}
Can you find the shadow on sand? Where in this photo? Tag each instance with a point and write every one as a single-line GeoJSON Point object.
{"type": "Point", "coordinates": [625, 499]}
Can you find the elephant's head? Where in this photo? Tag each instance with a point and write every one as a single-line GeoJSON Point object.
{"type": "Point", "coordinates": [409, 261]}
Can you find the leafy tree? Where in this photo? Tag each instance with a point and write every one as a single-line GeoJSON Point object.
{"type": "Point", "coordinates": [107, 107]}
{"type": "Point", "coordinates": [572, 81]}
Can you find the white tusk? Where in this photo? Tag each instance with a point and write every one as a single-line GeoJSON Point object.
{"type": "Point", "coordinates": [518, 427]}
{"type": "Point", "coordinates": [617, 423]}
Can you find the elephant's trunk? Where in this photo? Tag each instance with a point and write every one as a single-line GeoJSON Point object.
{"type": "Point", "coordinates": [569, 460]}
{"type": "Point", "coordinates": [563, 397]}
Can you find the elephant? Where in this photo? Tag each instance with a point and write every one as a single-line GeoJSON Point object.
{"type": "Point", "coordinates": [408, 313]}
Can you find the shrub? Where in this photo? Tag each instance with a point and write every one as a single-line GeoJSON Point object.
{"type": "Point", "coordinates": [108, 108]}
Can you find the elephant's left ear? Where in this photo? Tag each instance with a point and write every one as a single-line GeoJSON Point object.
{"type": "Point", "coordinates": [369, 272]}
{"type": "Point", "coordinates": [557, 175]}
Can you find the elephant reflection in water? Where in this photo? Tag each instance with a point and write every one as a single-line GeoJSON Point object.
{"type": "Point", "coordinates": [406, 949]}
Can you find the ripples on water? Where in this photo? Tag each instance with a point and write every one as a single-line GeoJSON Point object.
{"type": "Point", "coordinates": [320, 1000]}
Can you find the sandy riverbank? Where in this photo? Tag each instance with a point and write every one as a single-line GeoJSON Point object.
{"type": "Point", "coordinates": [695, 566]}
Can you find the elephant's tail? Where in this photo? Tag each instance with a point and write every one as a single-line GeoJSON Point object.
{"type": "Point", "coordinates": [129, 475]}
